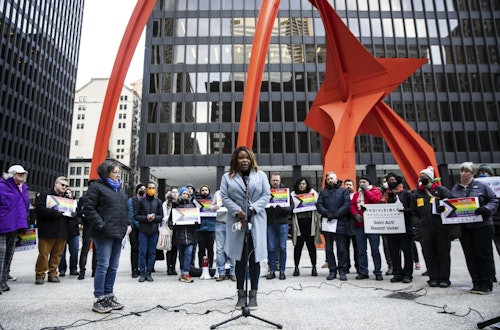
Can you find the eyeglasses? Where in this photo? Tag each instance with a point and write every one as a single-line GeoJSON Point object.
{"type": "Point", "coordinates": [115, 172]}
{"type": "Point", "coordinates": [64, 185]}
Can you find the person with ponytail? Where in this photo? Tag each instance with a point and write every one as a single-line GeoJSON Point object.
{"type": "Point", "coordinates": [435, 237]}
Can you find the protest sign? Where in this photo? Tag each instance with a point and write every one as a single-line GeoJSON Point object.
{"type": "Point", "coordinates": [279, 196]}
{"type": "Point", "coordinates": [460, 210]}
{"type": "Point", "coordinates": [384, 218]}
{"type": "Point", "coordinates": [205, 206]}
{"type": "Point", "coordinates": [304, 202]}
{"type": "Point", "coordinates": [186, 216]}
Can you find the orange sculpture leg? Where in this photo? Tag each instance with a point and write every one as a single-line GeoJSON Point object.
{"type": "Point", "coordinates": [267, 15]}
{"type": "Point", "coordinates": [130, 39]}
{"type": "Point", "coordinates": [349, 103]}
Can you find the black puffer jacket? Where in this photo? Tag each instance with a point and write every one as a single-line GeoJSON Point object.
{"type": "Point", "coordinates": [145, 206]}
{"type": "Point", "coordinates": [184, 234]}
{"type": "Point", "coordinates": [107, 211]}
{"type": "Point", "coordinates": [50, 223]}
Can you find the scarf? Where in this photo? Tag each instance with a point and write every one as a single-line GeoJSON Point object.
{"type": "Point", "coordinates": [113, 184]}
{"type": "Point", "coordinates": [389, 191]}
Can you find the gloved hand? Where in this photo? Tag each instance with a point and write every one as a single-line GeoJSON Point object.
{"type": "Point", "coordinates": [363, 208]}
{"type": "Point", "coordinates": [364, 187]}
{"type": "Point", "coordinates": [482, 211]}
{"type": "Point", "coordinates": [331, 216]}
{"type": "Point", "coordinates": [440, 208]}
{"type": "Point", "coordinates": [358, 217]}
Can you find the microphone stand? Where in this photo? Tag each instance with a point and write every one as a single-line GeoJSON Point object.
{"type": "Point", "coordinates": [245, 310]}
{"type": "Point", "coordinates": [486, 323]}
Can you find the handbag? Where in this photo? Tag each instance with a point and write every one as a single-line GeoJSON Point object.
{"type": "Point", "coordinates": [164, 238]}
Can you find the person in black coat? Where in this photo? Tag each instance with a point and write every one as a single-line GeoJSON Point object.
{"type": "Point", "coordinates": [401, 242]}
{"type": "Point", "coordinates": [52, 227]}
{"type": "Point", "coordinates": [106, 210]}
{"type": "Point", "coordinates": [149, 213]}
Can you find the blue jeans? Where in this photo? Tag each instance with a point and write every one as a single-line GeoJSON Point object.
{"type": "Point", "coordinates": [185, 257]}
{"type": "Point", "coordinates": [73, 245]}
{"type": "Point", "coordinates": [220, 241]}
{"type": "Point", "coordinates": [108, 258]}
{"type": "Point", "coordinates": [374, 240]}
{"type": "Point", "coordinates": [341, 242]}
{"type": "Point", "coordinates": [280, 233]}
{"type": "Point", "coordinates": [147, 247]}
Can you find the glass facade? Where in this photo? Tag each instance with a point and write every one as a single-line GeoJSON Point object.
{"type": "Point", "coordinates": [40, 42]}
{"type": "Point", "coordinates": [198, 54]}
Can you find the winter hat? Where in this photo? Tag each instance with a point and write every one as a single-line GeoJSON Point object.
{"type": "Point", "coordinates": [485, 168]}
{"type": "Point", "coordinates": [399, 179]}
{"type": "Point", "coordinates": [138, 186]}
{"type": "Point", "coordinates": [367, 178]}
{"type": "Point", "coordinates": [183, 189]}
{"type": "Point", "coordinates": [429, 171]}
{"type": "Point", "coordinates": [467, 166]}
{"type": "Point", "coordinates": [16, 169]}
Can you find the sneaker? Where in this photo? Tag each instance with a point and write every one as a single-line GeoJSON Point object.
{"type": "Point", "coordinates": [331, 276]}
{"type": "Point", "coordinates": [4, 287]}
{"type": "Point", "coordinates": [325, 265]}
{"type": "Point", "coordinates": [389, 271]}
{"type": "Point", "coordinates": [101, 306]}
{"type": "Point", "coordinates": [233, 278]}
{"type": "Point", "coordinates": [39, 280]}
{"type": "Point", "coordinates": [115, 305]}
{"type": "Point", "coordinates": [396, 279]}
{"type": "Point", "coordinates": [53, 279]}
{"type": "Point", "coordinates": [11, 278]}
{"type": "Point", "coordinates": [186, 278]}
{"type": "Point", "coordinates": [417, 266]}
{"type": "Point", "coordinates": [407, 279]}
{"type": "Point", "coordinates": [362, 276]}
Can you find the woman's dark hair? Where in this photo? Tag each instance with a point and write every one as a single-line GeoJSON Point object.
{"type": "Point", "coordinates": [298, 181]}
{"type": "Point", "coordinates": [106, 167]}
{"type": "Point", "coordinates": [233, 166]}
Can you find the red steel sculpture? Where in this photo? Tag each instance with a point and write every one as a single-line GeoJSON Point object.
{"type": "Point", "coordinates": [349, 102]}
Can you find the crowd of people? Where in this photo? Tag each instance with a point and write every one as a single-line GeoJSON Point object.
{"type": "Point", "coordinates": [243, 226]}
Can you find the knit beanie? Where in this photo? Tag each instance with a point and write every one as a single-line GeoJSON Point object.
{"type": "Point", "coordinates": [429, 171]}
{"type": "Point", "coordinates": [183, 189]}
{"type": "Point", "coordinates": [485, 168]}
{"type": "Point", "coordinates": [138, 186]}
{"type": "Point", "coordinates": [367, 178]}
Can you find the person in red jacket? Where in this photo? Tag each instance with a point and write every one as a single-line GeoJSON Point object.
{"type": "Point", "coordinates": [366, 194]}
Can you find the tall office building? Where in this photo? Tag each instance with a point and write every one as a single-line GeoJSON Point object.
{"type": "Point", "coordinates": [124, 136]}
{"type": "Point", "coordinates": [39, 49]}
{"type": "Point", "coordinates": [197, 59]}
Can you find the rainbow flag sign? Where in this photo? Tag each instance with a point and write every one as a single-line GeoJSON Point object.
{"type": "Point", "coordinates": [61, 204]}
{"type": "Point", "coordinates": [304, 202]}
{"type": "Point", "coordinates": [205, 206]}
{"type": "Point", "coordinates": [27, 240]}
{"type": "Point", "coordinates": [279, 196]}
{"type": "Point", "coordinates": [460, 210]}
{"type": "Point", "coordinates": [186, 216]}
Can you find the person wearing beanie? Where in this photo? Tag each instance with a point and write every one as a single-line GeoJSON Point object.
{"type": "Point", "coordinates": [184, 236]}
{"type": "Point", "coordinates": [400, 244]}
{"type": "Point", "coordinates": [484, 170]}
{"type": "Point", "coordinates": [140, 193]}
{"type": "Point", "coordinates": [477, 236]}
{"type": "Point", "coordinates": [169, 203]}
{"type": "Point", "coordinates": [434, 237]}
{"type": "Point", "coordinates": [206, 233]}
{"type": "Point", "coordinates": [366, 194]}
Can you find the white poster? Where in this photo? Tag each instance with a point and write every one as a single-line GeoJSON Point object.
{"type": "Point", "coordinates": [384, 219]}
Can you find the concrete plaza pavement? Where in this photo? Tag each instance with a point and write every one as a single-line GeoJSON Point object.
{"type": "Point", "coordinates": [302, 302]}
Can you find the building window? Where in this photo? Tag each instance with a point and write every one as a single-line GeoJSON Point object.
{"type": "Point", "coordinates": [82, 99]}
{"type": "Point", "coordinates": [123, 97]}
{"type": "Point", "coordinates": [82, 107]}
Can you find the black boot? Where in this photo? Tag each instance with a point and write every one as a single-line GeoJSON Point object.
{"type": "Point", "coordinates": [296, 272]}
{"type": "Point", "coordinates": [242, 299]}
{"type": "Point", "coordinates": [169, 270]}
{"type": "Point", "coordinates": [252, 300]}
{"type": "Point", "coordinates": [314, 272]}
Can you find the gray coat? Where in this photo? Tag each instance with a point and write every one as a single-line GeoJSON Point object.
{"type": "Point", "coordinates": [233, 197]}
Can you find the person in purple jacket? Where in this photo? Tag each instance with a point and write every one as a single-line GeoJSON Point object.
{"type": "Point", "coordinates": [14, 210]}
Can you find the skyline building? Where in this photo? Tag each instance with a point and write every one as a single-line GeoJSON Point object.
{"type": "Point", "coordinates": [124, 137]}
{"type": "Point", "coordinates": [40, 42]}
{"type": "Point", "coordinates": [197, 56]}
